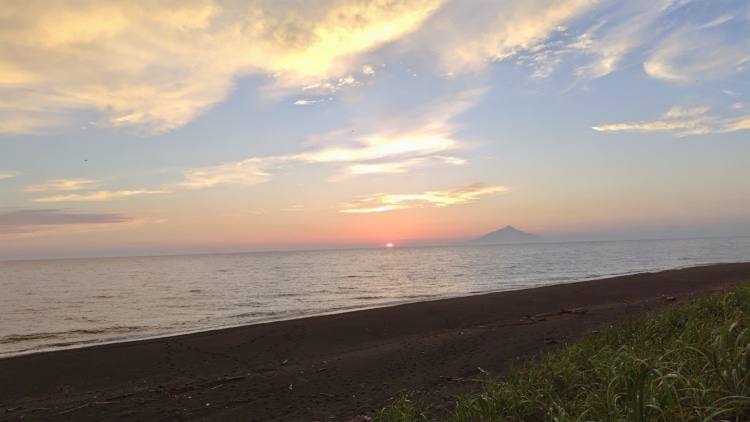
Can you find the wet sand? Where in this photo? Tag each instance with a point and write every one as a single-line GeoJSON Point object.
{"type": "Point", "coordinates": [334, 367]}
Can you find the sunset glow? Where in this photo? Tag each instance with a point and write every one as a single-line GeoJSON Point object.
{"type": "Point", "coordinates": [239, 126]}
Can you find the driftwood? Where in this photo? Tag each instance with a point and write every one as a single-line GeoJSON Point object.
{"type": "Point", "coordinates": [459, 379]}
{"type": "Point", "coordinates": [575, 311]}
{"type": "Point", "coordinates": [236, 378]}
{"type": "Point", "coordinates": [70, 410]}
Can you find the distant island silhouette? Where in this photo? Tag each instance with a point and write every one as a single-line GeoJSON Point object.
{"type": "Point", "coordinates": [508, 234]}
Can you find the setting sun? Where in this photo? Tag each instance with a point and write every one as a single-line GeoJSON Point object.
{"type": "Point", "coordinates": [389, 245]}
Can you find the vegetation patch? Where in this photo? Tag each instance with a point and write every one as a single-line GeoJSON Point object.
{"type": "Point", "coordinates": [689, 363]}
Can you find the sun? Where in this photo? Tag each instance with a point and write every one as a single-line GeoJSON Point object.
{"type": "Point", "coordinates": [389, 245]}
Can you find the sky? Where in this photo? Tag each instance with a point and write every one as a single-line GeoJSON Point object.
{"type": "Point", "coordinates": [167, 126]}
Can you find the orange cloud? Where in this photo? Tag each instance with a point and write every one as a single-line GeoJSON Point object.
{"type": "Point", "coordinates": [98, 196]}
{"type": "Point", "coordinates": [432, 199]}
{"type": "Point", "coordinates": [61, 184]}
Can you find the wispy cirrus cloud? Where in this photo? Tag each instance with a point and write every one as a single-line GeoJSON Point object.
{"type": "Point", "coordinates": [62, 185]}
{"type": "Point", "coordinates": [416, 139]}
{"type": "Point", "coordinates": [622, 29]}
{"type": "Point", "coordinates": [382, 202]}
{"type": "Point", "coordinates": [7, 174]}
{"type": "Point", "coordinates": [251, 171]}
{"type": "Point", "coordinates": [683, 122]}
{"type": "Point", "coordinates": [699, 52]}
{"type": "Point", "coordinates": [668, 42]}
{"type": "Point", "coordinates": [469, 35]}
{"type": "Point", "coordinates": [103, 195]}
{"type": "Point", "coordinates": [85, 185]}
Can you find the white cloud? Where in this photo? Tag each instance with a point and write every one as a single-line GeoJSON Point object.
{"type": "Point", "coordinates": [157, 65]}
{"type": "Point", "coordinates": [470, 34]}
{"type": "Point", "coordinates": [97, 196]}
{"type": "Point", "coordinates": [330, 86]}
{"type": "Point", "coordinates": [683, 122]}
{"type": "Point", "coordinates": [400, 167]}
{"type": "Point", "coordinates": [307, 102]}
{"type": "Point", "coordinates": [432, 199]}
{"type": "Point", "coordinates": [415, 139]}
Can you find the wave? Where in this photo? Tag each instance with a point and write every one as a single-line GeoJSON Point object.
{"type": "Point", "coordinates": [62, 335]}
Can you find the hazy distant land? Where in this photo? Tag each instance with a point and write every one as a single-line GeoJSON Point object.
{"type": "Point", "coordinates": [508, 234]}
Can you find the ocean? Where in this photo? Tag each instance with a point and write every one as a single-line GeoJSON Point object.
{"type": "Point", "coordinates": [67, 303]}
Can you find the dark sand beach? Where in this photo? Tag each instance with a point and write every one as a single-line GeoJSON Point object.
{"type": "Point", "coordinates": [335, 367]}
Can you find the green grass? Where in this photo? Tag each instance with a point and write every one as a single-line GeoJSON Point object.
{"type": "Point", "coordinates": [690, 363]}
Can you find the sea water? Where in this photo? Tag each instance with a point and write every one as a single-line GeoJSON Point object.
{"type": "Point", "coordinates": [66, 303]}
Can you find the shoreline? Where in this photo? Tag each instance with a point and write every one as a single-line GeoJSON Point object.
{"type": "Point", "coordinates": [337, 365]}
{"type": "Point", "coordinates": [81, 344]}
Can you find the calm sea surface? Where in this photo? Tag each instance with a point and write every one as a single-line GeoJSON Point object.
{"type": "Point", "coordinates": [57, 304]}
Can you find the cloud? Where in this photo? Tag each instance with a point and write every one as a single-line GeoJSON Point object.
{"type": "Point", "coordinates": [328, 87]}
{"type": "Point", "coordinates": [400, 167]}
{"type": "Point", "coordinates": [9, 174]}
{"type": "Point", "coordinates": [416, 139]}
{"type": "Point", "coordinates": [683, 122]}
{"type": "Point", "coordinates": [698, 53]}
{"type": "Point", "coordinates": [307, 102]}
{"type": "Point", "coordinates": [382, 202]}
{"type": "Point", "coordinates": [629, 25]}
{"type": "Point", "coordinates": [57, 216]}
{"type": "Point", "coordinates": [468, 35]}
{"type": "Point", "coordinates": [249, 172]}
{"type": "Point", "coordinates": [98, 196]}
{"type": "Point", "coordinates": [61, 184]}
{"type": "Point", "coordinates": [682, 46]}
{"type": "Point", "coordinates": [27, 221]}
{"type": "Point", "coordinates": [135, 63]}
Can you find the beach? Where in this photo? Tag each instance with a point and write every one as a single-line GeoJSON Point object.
{"type": "Point", "coordinates": [335, 367]}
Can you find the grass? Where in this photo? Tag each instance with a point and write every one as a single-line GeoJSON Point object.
{"type": "Point", "coordinates": [690, 363]}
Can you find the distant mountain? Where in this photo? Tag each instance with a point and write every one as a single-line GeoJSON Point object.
{"type": "Point", "coordinates": [508, 234]}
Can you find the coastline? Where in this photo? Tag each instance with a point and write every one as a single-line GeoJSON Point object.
{"type": "Point", "coordinates": [336, 366]}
